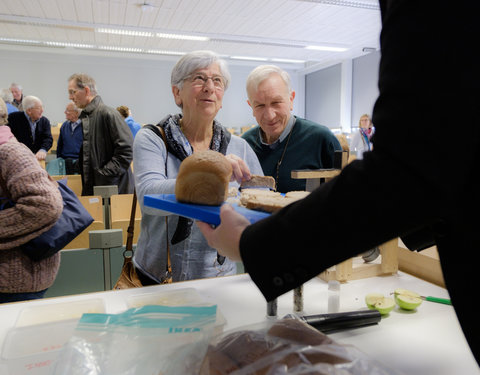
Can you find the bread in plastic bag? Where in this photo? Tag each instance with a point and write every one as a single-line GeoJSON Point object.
{"type": "Point", "coordinates": [288, 346]}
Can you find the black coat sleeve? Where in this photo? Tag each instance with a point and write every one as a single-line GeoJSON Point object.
{"type": "Point", "coordinates": [418, 170]}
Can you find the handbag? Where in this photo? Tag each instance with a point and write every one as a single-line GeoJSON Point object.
{"type": "Point", "coordinates": [128, 276]}
{"type": "Point", "coordinates": [73, 221]}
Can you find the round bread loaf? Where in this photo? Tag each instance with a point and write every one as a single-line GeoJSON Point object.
{"type": "Point", "coordinates": [203, 178]}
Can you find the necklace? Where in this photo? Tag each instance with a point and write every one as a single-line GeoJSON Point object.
{"type": "Point", "coordinates": [281, 158]}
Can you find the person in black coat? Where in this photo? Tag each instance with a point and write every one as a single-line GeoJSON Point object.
{"type": "Point", "coordinates": [422, 178]}
{"type": "Point", "coordinates": [31, 128]}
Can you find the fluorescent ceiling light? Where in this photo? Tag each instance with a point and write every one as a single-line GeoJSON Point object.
{"type": "Point", "coordinates": [125, 32]}
{"type": "Point", "coordinates": [327, 48]}
{"type": "Point", "coordinates": [163, 52]}
{"type": "Point", "coordinates": [120, 49]}
{"type": "Point", "coordinates": [75, 45]}
{"type": "Point", "coordinates": [289, 61]}
{"type": "Point", "coordinates": [183, 37]}
{"type": "Point", "coordinates": [11, 40]}
{"type": "Point", "coordinates": [249, 58]}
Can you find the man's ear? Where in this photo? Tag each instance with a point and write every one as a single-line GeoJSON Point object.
{"type": "Point", "coordinates": [292, 97]}
{"type": "Point", "coordinates": [176, 96]}
{"type": "Point", "coordinates": [248, 102]}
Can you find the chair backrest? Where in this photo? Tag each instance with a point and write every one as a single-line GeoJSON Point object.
{"type": "Point", "coordinates": [120, 209]}
{"type": "Point", "coordinates": [94, 206]}
{"type": "Point", "coordinates": [74, 182]}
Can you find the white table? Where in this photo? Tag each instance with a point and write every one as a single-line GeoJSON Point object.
{"type": "Point", "coordinates": [427, 341]}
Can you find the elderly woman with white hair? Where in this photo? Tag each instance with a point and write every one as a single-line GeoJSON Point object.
{"type": "Point", "coordinates": [198, 81]}
{"type": "Point", "coordinates": [30, 204]}
{"type": "Point", "coordinates": [31, 128]}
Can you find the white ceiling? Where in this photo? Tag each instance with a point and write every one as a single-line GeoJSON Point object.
{"type": "Point", "coordinates": [271, 29]}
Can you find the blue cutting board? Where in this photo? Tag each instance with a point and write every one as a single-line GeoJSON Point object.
{"type": "Point", "coordinates": [208, 214]}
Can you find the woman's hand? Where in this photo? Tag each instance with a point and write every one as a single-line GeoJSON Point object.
{"type": "Point", "coordinates": [240, 170]}
{"type": "Point", "coordinates": [226, 237]}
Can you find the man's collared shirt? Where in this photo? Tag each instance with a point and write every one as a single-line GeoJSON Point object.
{"type": "Point", "coordinates": [33, 125]}
{"type": "Point", "coordinates": [75, 124]}
{"type": "Point", "coordinates": [286, 131]}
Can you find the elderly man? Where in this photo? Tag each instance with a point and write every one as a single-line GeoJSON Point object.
{"type": "Point", "coordinates": [70, 139]}
{"type": "Point", "coordinates": [284, 142]}
{"type": "Point", "coordinates": [107, 140]}
{"type": "Point", "coordinates": [17, 92]}
{"type": "Point", "coordinates": [31, 128]}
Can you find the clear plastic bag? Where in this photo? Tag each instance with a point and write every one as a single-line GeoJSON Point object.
{"type": "Point", "coordinates": [288, 346]}
{"type": "Point", "coordinates": [157, 340]}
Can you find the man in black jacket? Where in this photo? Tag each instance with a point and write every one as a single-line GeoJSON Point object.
{"type": "Point", "coordinates": [106, 152]}
{"type": "Point", "coordinates": [422, 179]}
{"type": "Point", "coordinates": [31, 128]}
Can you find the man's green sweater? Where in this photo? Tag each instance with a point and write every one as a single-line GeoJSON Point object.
{"type": "Point", "coordinates": [311, 146]}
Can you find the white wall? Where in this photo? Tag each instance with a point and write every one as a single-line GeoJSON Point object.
{"type": "Point", "coordinates": [364, 85]}
{"type": "Point", "coordinates": [336, 96]}
{"type": "Point", "coordinates": [141, 84]}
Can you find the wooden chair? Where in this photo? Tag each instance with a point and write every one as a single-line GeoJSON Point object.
{"type": "Point", "coordinates": [120, 207]}
{"type": "Point", "coordinates": [74, 182]}
{"type": "Point", "coordinates": [55, 134]}
{"type": "Point", "coordinates": [94, 206]}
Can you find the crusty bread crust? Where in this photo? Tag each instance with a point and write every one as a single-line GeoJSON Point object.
{"type": "Point", "coordinates": [203, 178]}
{"type": "Point", "coordinates": [259, 181]}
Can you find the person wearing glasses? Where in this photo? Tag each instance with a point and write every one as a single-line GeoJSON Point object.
{"type": "Point", "coordinates": [284, 142]}
{"type": "Point", "coordinates": [362, 139]}
{"type": "Point", "coordinates": [198, 81]}
{"type": "Point", "coordinates": [106, 152]}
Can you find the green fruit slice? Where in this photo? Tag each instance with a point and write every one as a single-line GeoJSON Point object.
{"type": "Point", "coordinates": [377, 301]}
{"type": "Point", "coordinates": [406, 299]}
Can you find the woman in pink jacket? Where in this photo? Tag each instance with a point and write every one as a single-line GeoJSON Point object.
{"type": "Point", "coordinates": [38, 205]}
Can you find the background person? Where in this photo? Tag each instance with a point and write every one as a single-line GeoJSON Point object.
{"type": "Point", "coordinates": [284, 142]}
{"type": "Point", "coordinates": [7, 97]}
{"type": "Point", "coordinates": [362, 138]}
{"type": "Point", "coordinates": [17, 92]}
{"type": "Point", "coordinates": [70, 139]}
{"type": "Point", "coordinates": [31, 128]}
{"type": "Point", "coordinates": [107, 141]}
{"type": "Point", "coordinates": [198, 81]}
{"type": "Point", "coordinates": [38, 206]}
{"type": "Point", "coordinates": [127, 115]}
{"type": "Point", "coordinates": [405, 172]}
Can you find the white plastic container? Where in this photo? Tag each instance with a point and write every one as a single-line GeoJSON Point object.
{"type": "Point", "coordinates": [59, 311]}
{"type": "Point", "coordinates": [34, 349]}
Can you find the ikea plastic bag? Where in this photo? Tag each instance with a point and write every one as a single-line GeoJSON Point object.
{"type": "Point", "coordinates": [156, 340]}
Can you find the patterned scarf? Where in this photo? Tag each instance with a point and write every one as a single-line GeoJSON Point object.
{"type": "Point", "coordinates": [179, 146]}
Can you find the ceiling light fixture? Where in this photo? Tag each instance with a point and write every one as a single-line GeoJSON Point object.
{"type": "Point", "coordinates": [183, 37]}
{"type": "Point", "coordinates": [124, 32]}
{"type": "Point", "coordinates": [250, 58]}
{"type": "Point", "coordinates": [291, 61]}
{"type": "Point", "coordinates": [146, 7]}
{"type": "Point", "coordinates": [365, 4]}
{"type": "Point", "coordinates": [327, 48]}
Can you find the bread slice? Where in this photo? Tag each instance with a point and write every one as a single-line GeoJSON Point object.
{"type": "Point", "coordinates": [259, 181]}
{"type": "Point", "coordinates": [269, 201]}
